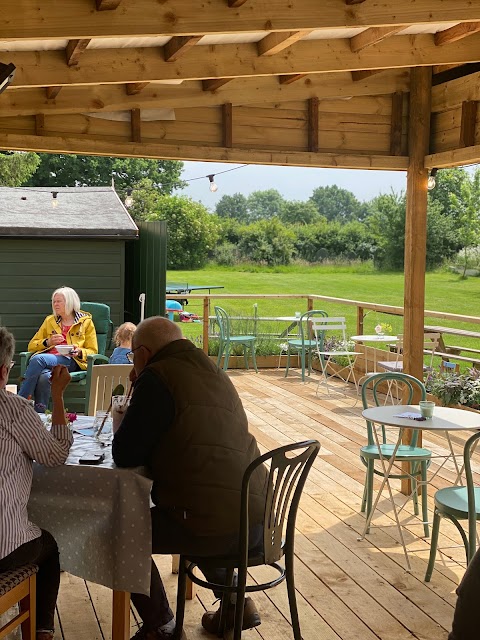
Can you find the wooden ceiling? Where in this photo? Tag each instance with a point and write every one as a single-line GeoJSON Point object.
{"type": "Point", "coordinates": [305, 82]}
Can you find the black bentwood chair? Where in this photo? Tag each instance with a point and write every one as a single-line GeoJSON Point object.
{"type": "Point", "coordinates": [286, 480]}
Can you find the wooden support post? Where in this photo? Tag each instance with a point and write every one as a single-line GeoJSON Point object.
{"type": "Point", "coordinates": [39, 124]}
{"type": "Point", "coordinates": [360, 317]}
{"type": "Point", "coordinates": [313, 125]}
{"type": "Point", "coordinates": [121, 615]}
{"type": "Point", "coordinates": [52, 92]}
{"type": "Point", "coordinates": [135, 124]}
{"type": "Point", "coordinates": [310, 304]}
{"type": "Point", "coordinates": [206, 313]}
{"type": "Point", "coordinates": [468, 125]}
{"type": "Point", "coordinates": [227, 125]}
{"type": "Point", "coordinates": [396, 124]}
{"type": "Point", "coordinates": [416, 226]}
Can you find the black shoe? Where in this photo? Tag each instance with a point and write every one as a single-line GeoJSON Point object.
{"type": "Point", "coordinates": [251, 617]}
{"type": "Point", "coordinates": [144, 634]}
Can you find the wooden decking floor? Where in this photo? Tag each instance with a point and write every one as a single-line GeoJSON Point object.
{"type": "Point", "coordinates": [347, 589]}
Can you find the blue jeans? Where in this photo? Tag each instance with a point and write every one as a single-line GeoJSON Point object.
{"type": "Point", "coordinates": [37, 376]}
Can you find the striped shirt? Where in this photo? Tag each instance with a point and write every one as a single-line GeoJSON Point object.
{"type": "Point", "coordinates": [23, 439]}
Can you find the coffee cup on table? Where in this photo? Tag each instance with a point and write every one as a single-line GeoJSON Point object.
{"type": "Point", "coordinates": [426, 408]}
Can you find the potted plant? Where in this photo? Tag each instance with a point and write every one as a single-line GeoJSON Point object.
{"type": "Point", "coordinates": [456, 388]}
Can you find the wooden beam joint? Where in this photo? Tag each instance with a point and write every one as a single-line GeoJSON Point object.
{"type": "Point", "coordinates": [107, 5]}
{"type": "Point", "coordinates": [313, 124]}
{"type": "Point", "coordinates": [396, 124]}
{"type": "Point", "coordinates": [135, 124]}
{"type": "Point", "coordinates": [227, 125]}
{"type": "Point", "coordinates": [468, 127]}
{"type": "Point", "coordinates": [74, 50]}
{"type": "Point", "coordinates": [178, 46]}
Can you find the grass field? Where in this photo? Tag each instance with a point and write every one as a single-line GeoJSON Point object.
{"type": "Point", "coordinates": [444, 292]}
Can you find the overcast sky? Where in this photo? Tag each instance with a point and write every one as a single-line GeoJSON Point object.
{"type": "Point", "coordinates": [294, 183]}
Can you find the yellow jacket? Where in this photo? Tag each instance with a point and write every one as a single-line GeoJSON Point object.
{"type": "Point", "coordinates": [82, 333]}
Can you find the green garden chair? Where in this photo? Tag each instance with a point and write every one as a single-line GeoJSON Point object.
{"type": "Point", "coordinates": [226, 340]}
{"type": "Point", "coordinates": [458, 503]}
{"type": "Point", "coordinates": [104, 329]}
{"type": "Point", "coordinates": [304, 345]}
{"type": "Point", "coordinates": [417, 457]}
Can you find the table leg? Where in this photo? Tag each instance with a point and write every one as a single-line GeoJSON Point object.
{"type": "Point", "coordinates": [121, 615]}
{"type": "Point", "coordinates": [385, 481]}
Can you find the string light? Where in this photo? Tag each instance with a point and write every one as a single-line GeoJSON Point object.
{"type": "Point", "coordinates": [213, 187]}
{"type": "Point", "coordinates": [129, 198]}
{"type": "Point", "coordinates": [431, 179]}
{"type": "Point", "coordinates": [54, 199]}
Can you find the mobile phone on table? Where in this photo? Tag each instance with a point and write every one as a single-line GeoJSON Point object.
{"type": "Point", "coordinates": [92, 458]}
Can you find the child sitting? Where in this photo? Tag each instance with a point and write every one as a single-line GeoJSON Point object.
{"type": "Point", "coordinates": [123, 341]}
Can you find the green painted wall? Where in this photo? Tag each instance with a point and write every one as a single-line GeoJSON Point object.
{"type": "Point", "coordinates": [31, 269]}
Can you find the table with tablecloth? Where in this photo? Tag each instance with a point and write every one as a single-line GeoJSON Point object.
{"type": "Point", "coordinates": [99, 515]}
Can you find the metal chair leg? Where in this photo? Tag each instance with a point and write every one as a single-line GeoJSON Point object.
{"type": "Point", "coordinates": [254, 359]}
{"type": "Point", "coordinates": [292, 598]}
{"type": "Point", "coordinates": [181, 594]}
{"type": "Point", "coordinates": [426, 531]}
{"type": "Point", "coordinates": [433, 546]}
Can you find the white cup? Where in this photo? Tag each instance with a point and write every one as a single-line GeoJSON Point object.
{"type": "Point", "coordinates": [119, 407]}
{"type": "Point", "coordinates": [426, 408]}
{"type": "Point", "coordinates": [298, 314]}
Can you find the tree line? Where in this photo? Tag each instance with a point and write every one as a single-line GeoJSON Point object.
{"type": "Point", "coordinates": [265, 228]}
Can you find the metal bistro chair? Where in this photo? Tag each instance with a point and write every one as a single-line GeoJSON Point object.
{"type": "Point", "coordinates": [286, 480]}
{"type": "Point", "coordinates": [458, 503]}
{"type": "Point", "coordinates": [346, 371]}
{"type": "Point", "coordinates": [226, 340]}
{"type": "Point", "coordinates": [306, 343]}
{"type": "Point", "coordinates": [18, 586]}
{"type": "Point", "coordinates": [417, 457]}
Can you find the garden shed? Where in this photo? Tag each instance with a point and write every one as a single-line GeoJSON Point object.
{"type": "Point", "coordinates": [52, 236]}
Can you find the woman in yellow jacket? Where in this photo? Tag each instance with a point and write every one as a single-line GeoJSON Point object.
{"type": "Point", "coordinates": [67, 326]}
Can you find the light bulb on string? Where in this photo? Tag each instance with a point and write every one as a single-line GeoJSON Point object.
{"type": "Point", "coordinates": [213, 186]}
{"type": "Point", "coordinates": [54, 199]}
{"type": "Point", "coordinates": [129, 198]}
{"type": "Point", "coordinates": [431, 179]}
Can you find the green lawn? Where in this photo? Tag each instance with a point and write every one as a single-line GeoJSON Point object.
{"type": "Point", "coordinates": [444, 292]}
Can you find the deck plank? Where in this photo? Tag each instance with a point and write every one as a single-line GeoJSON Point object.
{"type": "Point", "coordinates": [347, 589]}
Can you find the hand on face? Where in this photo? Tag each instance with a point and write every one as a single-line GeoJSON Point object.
{"type": "Point", "coordinates": [60, 379]}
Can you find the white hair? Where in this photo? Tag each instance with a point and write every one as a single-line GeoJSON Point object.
{"type": "Point", "coordinates": [72, 301]}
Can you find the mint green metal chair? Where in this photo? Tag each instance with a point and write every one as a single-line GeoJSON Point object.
{"type": "Point", "coordinates": [304, 345]}
{"type": "Point", "coordinates": [458, 503]}
{"type": "Point", "coordinates": [417, 457]}
{"type": "Point", "coordinates": [226, 340]}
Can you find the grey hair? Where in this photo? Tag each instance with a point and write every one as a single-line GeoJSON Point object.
{"type": "Point", "coordinates": [7, 346]}
{"type": "Point", "coordinates": [72, 301]}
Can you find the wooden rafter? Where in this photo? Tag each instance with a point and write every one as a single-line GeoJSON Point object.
{"type": "Point", "coordinates": [52, 92]}
{"type": "Point", "coordinates": [212, 84]}
{"type": "Point", "coordinates": [349, 2]}
{"type": "Point", "coordinates": [457, 32]}
{"type": "Point", "coordinates": [453, 158]}
{"type": "Point", "coordinates": [236, 3]}
{"type": "Point", "coordinates": [113, 97]}
{"type": "Point", "coordinates": [227, 125]}
{"type": "Point", "coordinates": [290, 79]}
{"type": "Point", "coordinates": [107, 5]}
{"type": "Point", "coordinates": [134, 88]}
{"type": "Point", "coordinates": [40, 20]}
{"type": "Point", "coordinates": [136, 125]}
{"type": "Point", "coordinates": [312, 120]}
{"type": "Point", "coordinates": [74, 50]}
{"type": "Point", "coordinates": [468, 127]}
{"type": "Point", "coordinates": [396, 124]}
{"type": "Point", "coordinates": [276, 42]}
{"type": "Point", "coordinates": [178, 46]}
{"type": "Point", "coordinates": [103, 66]}
{"type": "Point", "coordinates": [372, 36]}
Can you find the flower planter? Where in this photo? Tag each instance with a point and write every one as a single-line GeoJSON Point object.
{"type": "Point", "coordinates": [263, 362]}
{"type": "Point", "coordinates": [457, 406]}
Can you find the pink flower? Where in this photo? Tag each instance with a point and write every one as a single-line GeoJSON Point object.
{"type": "Point", "coordinates": [378, 328]}
{"type": "Point", "coordinates": [71, 417]}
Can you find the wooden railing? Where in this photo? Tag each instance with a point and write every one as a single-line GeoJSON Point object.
{"type": "Point", "coordinates": [311, 300]}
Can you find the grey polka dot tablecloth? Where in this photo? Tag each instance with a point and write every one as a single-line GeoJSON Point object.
{"type": "Point", "coordinates": [99, 515]}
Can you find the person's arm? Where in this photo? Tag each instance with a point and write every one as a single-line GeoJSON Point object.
{"type": "Point", "coordinates": [37, 343]}
{"type": "Point", "coordinates": [48, 448]}
{"type": "Point", "coordinates": [90, 344]}
{"type": "Point", "coordinates": [149, 416]}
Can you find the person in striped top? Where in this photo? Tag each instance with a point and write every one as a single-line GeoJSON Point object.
{"type": "Point", "coordinates": [23, 439]}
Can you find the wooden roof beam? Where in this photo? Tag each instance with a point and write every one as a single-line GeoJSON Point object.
{"type": "Point", "coordinates": [278, 41]}
{"type": "Point", "coordinates": [372, 36]}
{"type": "Point", "coordinates": [52, 92]}
{"type": "Point", "coordinates": [107, 5]}
{"type": "Point", "coordinates": [468, 127]}
{"type": "Point", "coordinates": [244, 91]}
{"type": "Point", "coordinates": [227, 125]}
{"type": "Point", "coordinates": [213, 84]}
{"type": "Point", "coordinates": [235, 3]}
{"type": "Point", "coordinates": [458, 32]}
{"type": "Point", "coordinates": [178, 46]}
{"type": "Point", "coordinates": [349, 2]}
{"type": "Point", "coordinates": [74, 50]}
{"type": "Point", "coordinates": [144, 18]}
{"type": "Point", "coordinates": [135, 125]}
{"type": "Point", "coordinates": [104, 66]}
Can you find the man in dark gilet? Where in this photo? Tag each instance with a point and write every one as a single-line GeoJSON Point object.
{"type": "Point", "coordinates": [187, 425]}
